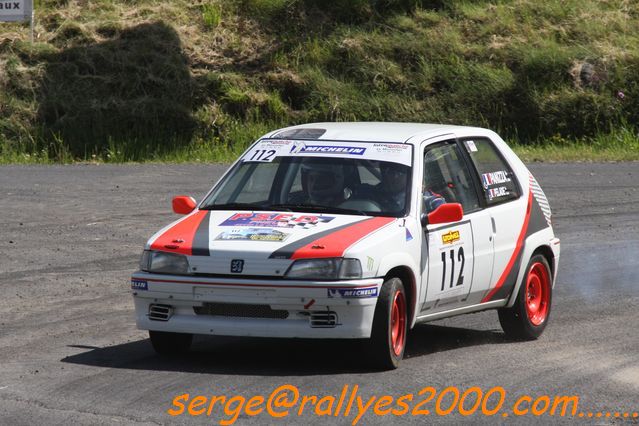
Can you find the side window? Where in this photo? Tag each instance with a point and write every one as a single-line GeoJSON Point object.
{"type": "Point", "coordinates": [446, 176]}
{"type": "Point", "coordinates": [497, 178]}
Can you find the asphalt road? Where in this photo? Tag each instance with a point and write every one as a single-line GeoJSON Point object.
{"type": "Point", "coordinates": [69, 351]}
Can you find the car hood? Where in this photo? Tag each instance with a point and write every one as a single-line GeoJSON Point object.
{"type": "Point", "coordinates": [266, 242]}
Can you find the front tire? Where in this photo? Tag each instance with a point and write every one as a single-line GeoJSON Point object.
{"type": "Point", "coordinates": [390, 326]}
{"type": "Point", "coordinates": [166, 343]}
{"type": "Point", "coordinates": [528, 317]}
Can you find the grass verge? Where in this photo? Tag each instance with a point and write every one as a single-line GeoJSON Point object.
{"type": "Point", "coordinates": [620, 146]}
{"type": "Point", "coordinates": [159, 80]}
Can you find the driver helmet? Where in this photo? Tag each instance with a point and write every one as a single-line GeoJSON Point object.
{"type": "Point", "coordinates": [394, 176]}
{"type": "Point", "coordinates": [324, 178]}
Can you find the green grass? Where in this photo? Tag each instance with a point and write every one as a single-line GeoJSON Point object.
{"type": "Point", "coordinates": [211, 15]}
{"type": "Point", "coordinates": [622, 146]}
{"type": "Point", "coordinates": [575, 152]}
{"type": "Point", "coordinates": [619, 145]}
{"type": "Point", "coordinates": [153, 80]}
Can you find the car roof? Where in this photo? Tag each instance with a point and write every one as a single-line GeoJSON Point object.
{"type": "Point", "coordinates": [371, 131]}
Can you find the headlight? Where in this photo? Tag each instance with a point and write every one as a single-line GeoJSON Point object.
{"type": "Point", "coordinates": [162, 262]}
{"type": "Point", "coordinates": [325, 269]}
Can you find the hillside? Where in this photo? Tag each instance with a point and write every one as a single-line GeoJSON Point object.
{"type": "Point", "coordinates": [141, 79]}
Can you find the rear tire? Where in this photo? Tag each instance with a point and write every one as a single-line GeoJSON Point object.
{"type": "Point", "coordinates": [390, 326]}
{"type": "Point", "coordinates": [528, 317]}
{"type": "Point", "coordinates": [166, 343]}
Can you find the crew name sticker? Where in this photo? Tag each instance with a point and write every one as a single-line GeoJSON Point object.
{"type": "Point", "coordinates": [494, 178]}
{"type": "Point", "coordinates": [500, 191]}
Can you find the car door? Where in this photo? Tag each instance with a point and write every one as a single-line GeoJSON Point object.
{"type": "Point", "coordinates": [458, 255]}
{"type": "Point", "coordinates": [501, 193]}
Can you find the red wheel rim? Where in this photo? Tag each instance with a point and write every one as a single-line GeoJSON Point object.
{"type": "Point", "coordinates": [537, 293]}
{"type": "Point", "coordinates": [398, 323]}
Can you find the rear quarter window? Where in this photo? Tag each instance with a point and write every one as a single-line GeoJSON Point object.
{"type": "Point", "coordinates": [498, 181]}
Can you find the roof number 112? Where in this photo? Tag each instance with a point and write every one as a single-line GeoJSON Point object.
{"type": "Point", "coordinates": [262, 155]}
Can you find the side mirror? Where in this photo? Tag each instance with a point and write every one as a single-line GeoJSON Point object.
{"type": "Point", "coordinates": [446, 213]}
{"type": "Point", "coordinates": [183, 204]}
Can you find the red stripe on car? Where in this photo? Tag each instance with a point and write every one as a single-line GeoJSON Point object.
{"type": "Point", "coordinates": [179, 238]}
{"type": "Point", "coordinates": [336, 243]}
{"type": "Point", "coordinates": [516, 252]}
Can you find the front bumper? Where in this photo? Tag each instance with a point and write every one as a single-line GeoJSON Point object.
{"type": "Point", "coordinates": [261, 308]}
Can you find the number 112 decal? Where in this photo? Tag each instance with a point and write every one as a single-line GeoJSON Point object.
{"type": "Point", "coordinates": [460, 257]}
{"type": "Point", "coordinates": [262, 155]}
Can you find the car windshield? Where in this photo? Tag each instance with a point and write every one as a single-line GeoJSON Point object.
{"type": "Point", "coordinates": [361, 186]}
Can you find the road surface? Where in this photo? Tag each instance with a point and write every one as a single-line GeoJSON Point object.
{"type": "Point", "coordinates": [69, 352]}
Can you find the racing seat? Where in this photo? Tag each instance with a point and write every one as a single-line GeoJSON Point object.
{"type": "Point", "coordinates": [435, 182]}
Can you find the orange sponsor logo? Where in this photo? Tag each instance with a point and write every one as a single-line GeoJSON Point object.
{"type": "Point", "coordinates": [450, 237]}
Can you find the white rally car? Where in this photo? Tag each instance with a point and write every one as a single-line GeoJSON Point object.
{"type": "Point", "coordinates": [353, 230]}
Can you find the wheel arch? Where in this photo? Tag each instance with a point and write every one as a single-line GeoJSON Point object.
{"type": "Point", "coordinates": [547, 253]}
{"type": "Point", "coordinates": [407, 276]}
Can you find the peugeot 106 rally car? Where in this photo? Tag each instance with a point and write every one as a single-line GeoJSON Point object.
{"type": "Point", "coordinates": [355, 231]}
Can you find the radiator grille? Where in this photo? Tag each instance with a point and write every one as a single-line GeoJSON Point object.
{"type": "Point", "coordinates": [240, 310]}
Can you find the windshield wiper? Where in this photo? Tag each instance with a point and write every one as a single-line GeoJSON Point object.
{"type": "Point", "coordinates": [289, 207]}
{"type": "Point", "coordinates": [315, 208]}
{"type": "Point", "coordinates": [234, 206]}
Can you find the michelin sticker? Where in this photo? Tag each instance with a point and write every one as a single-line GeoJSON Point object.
{"type": "Point", "coordinates": [267, 150]}
{"type": "Point", "coordinates": [139, 285]}
{"type": "Point", "coordinates": [352, 293]}
{"type": "Point", "coordinates": [253, 234]}
{"type": "Point", "coordinates": [275, 220]}
{"type": "Point", "coordinates": [302, 147]}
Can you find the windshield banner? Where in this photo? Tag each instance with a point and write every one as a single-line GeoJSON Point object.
{"type": "Point", "coordinates": [267, 150]}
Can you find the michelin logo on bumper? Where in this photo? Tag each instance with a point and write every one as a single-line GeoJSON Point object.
{"type": "Point", "coordinates": [353, 293]}
{"type": "Point", "coordinates": [139, 285]}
